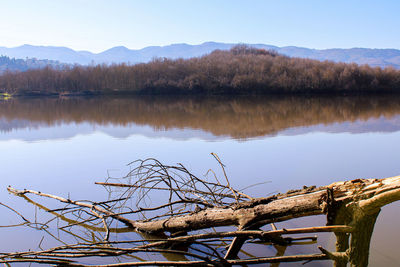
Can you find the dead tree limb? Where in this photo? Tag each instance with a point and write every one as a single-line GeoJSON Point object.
{"type": "Point", "coordinates": [191, 204]}
{"type": "Point", "coordinates": [367, 195]}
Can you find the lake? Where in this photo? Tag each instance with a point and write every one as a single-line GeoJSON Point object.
{"type": "Point", "coordinates": [64, 145]}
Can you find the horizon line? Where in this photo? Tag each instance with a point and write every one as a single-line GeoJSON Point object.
{"type": "Point", "coordinates": [198, 44]}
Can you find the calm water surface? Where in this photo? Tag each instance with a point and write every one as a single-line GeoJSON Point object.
{"type": "Point", "coordinates": [62, 146]}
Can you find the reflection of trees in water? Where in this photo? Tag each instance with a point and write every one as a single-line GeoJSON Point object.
{"type": "Point", "coordinates": [242, 117]}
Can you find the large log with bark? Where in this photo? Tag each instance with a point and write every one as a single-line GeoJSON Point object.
{"type": "Point", "coordinates": [193, 204]}
{"type": "Point", "coordinates": [366, 196]}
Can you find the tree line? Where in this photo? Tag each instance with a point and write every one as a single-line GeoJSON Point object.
{"type": "Point", "coordinates": [241, 70]}
{"type": "Point", "coordinates": [8, 64]}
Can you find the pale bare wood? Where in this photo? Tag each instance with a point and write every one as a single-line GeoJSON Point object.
{"type": "Point", "coordinates": [370, 194]}
{"type": "Point", "coordinates": [360, 198]}
{"type": "Point", "coordinates": [77, 203]}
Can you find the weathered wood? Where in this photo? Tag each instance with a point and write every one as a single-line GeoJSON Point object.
{"type": "Point", "coordinates": [371, 194]}
{"type": "Point", "coordinates": [252, 233]}
{"type": "Point", "coordinates": [351, 208]}
{"type": "Point", "coordinates": [77, 203]}
{"type": "Point", "coordinates": [367, 194]}
{"type": "Point", "coordinates": [358, 252]}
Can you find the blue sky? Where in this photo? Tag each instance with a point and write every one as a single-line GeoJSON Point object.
{"type": "Point", "coordinates": [96, 25]}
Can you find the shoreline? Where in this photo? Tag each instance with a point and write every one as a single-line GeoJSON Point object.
{"type": "Point", "coordinates": [199, 93]}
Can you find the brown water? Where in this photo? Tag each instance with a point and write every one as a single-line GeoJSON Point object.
{"type": "Point", "coordinates": [63, 146]}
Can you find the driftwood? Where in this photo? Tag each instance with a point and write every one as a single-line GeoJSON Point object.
{"type": "Point", "coordinates": [193, 205]}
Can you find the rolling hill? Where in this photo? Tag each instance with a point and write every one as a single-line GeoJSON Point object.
{"type": "Point", "coordinates": [121, 54]}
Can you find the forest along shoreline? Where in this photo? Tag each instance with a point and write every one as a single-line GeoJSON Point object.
{"type": "Point", "coordinates": [240, 71]}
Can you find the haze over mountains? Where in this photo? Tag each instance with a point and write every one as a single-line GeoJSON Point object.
{"type": "Point", "coordinates": [121, 54]}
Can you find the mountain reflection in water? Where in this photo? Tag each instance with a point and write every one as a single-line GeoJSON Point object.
{"type": "Point", "coordinates": [237, 118]}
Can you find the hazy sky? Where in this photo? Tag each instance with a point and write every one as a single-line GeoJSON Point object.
{"type": "Point", "coordinates": [96, 25]}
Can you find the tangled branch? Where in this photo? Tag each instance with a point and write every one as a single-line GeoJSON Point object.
{"type": "Point", "coordinates": [175, 212]}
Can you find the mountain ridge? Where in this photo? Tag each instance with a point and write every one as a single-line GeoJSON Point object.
{"type": "Point", "coordinates": [121, 54]}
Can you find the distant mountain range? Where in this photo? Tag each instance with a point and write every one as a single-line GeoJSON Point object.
{"type": "Point", "coordinates": [121, 54]}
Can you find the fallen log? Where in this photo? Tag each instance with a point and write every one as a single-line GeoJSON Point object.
{"type": "Point", "coordinates": [365, 196]}
{"type": "Point", "coordinates": [194, 204]}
